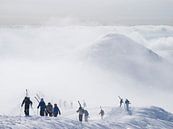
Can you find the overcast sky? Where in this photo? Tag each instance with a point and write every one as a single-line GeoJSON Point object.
{"type": "Point", "coordinates": [107, 12]}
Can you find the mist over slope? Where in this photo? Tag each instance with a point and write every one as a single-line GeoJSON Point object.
{"type": "Point", "coordinates": [119, 60]}
{"type": "Point", "coordinates": [121, 55]}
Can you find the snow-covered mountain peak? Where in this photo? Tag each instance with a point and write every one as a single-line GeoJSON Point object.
{"type": "Point", "coordinates": [121, 55]}
{"type": "Point", "coordinates": [116, 46]}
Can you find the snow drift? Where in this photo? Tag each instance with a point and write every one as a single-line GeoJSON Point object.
{"type": "Point", "coordinates": [137, 118]}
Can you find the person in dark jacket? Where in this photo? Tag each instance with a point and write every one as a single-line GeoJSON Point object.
{"type": "Point", "coordinates": [27, 103]}
{"type": "Point", "coordinates": [56, 110]}
{"type": "Point", "coordinates": [49, 109]}
{"type": "Point", "coordinates": [81, 112]}
{"type": "Point", "coordinates": [101, 113]}
{"type": "Point", "coordinates": [121, 102]}
{"type": "Point", "coordinates": [42, 107]}
{"type": "Point", "coordinates": [127, 102]}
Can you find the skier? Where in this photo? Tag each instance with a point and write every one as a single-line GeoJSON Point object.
{"type": "Point", "coordinates": [121, 100]}
{"type": "Point", "coordinates": [101, 113]}
{"type": "Point", "coordinates": [127, 102]}
{"type": "Point", "coordinates": [56, 110]}
{"type": "Point", "coordinates": [81, 112]}
{"type": "Point", "coordinates": [27, 103]}
{"type": "Point", "coordinates": [42, 106]}
{"type": "Point", "coordinates": [86, 114]}
{"type": "Point", "coordinates": [49, 109]}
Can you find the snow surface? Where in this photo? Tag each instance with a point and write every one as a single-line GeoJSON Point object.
{"type": "Point", "coordinates": [115, 118]}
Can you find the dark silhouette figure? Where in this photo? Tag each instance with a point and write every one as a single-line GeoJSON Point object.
{"type": "Point", "coordinates": [27, 103]}
{"type": "Point", "coordinates": [42, 107]}
{"type": "Point", "coordinates": [81, 112]}
{"type": "Point", "coordinates": [127, 102]}
{"type": "Point", "coordinates": [49, 109]}
{"type": "Point", "coordinates": [121, 102]}
{"type": "Point", "coordinates": [56, 110]}
{"type": "Point", "coordinates": [101, 113]}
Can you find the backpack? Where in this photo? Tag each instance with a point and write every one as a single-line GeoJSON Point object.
{"type": "Point", "coordinates": [86, 113]}
{"type": "Point", "coordinates": [49, 108]}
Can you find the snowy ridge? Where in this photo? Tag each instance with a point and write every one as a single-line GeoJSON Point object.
{"type": "Point", "coordinates": [116, 118]}
{"type": "Point", "coordinates": [120, 54]}
{"type": "Point", "coordinates": [118, 45]}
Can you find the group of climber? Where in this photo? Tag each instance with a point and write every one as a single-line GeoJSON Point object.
{"type": "Point", "coordinates": [126, 103]}
{"type": "Point", "coordinates": [84, 113]}
{"type": "Point", "coordinates": [45, 110]}
{"type": "Point", "coordinates": [50, 110]}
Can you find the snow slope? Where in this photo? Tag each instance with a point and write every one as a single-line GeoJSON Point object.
{"type": "Point", "coordinates": [121, 55]}
{"type": "Point", "coordinates": [116, 118]}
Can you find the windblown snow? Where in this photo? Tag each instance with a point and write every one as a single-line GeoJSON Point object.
{"type": "Point", "coordinates": [116, 118]}
{"type": "Point", "coordinates": [95, 64]}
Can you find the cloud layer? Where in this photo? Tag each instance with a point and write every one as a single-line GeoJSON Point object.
{"type": "Point", "coordinates": [105, 12]}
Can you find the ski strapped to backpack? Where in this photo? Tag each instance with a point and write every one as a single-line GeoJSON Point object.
{"type": "Point", "coordinates": [79, 104]}
{"type": "Point", "coordinates": [119, 97]}
{"type": "Point", "coordinates": [37, 97]}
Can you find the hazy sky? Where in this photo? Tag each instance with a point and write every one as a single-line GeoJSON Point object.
{"type": "Point", "coordinates": [93, 11]}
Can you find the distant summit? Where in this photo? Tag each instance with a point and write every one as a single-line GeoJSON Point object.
{"type": "Point", "coordinates": [116, 47]}
{"type": "Point", "coordinates": [121, 55]}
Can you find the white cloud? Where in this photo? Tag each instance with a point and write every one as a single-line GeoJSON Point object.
{"type": "Point", "coordinates": [102, 11]}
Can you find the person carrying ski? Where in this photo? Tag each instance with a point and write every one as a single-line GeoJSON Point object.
{"type": "Point", "coordinates": [56, 110]}
{"type": "Point", "coordinates": [42, 107]}
{"type": "Point", "coordinates": [127, 102]}
{"type": "Point", "coordinates": [101, 113]}
{"type": "Point", "coordinates": [81, 112]}
{"type": "Point", "coordinates": [49, 109]}
{"type": "Point", "coordinates": [27, 103]}
{"type": "Point", "coordinates": [86, 114]}
{"type": "Point", "coordinates": [121, 100]}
